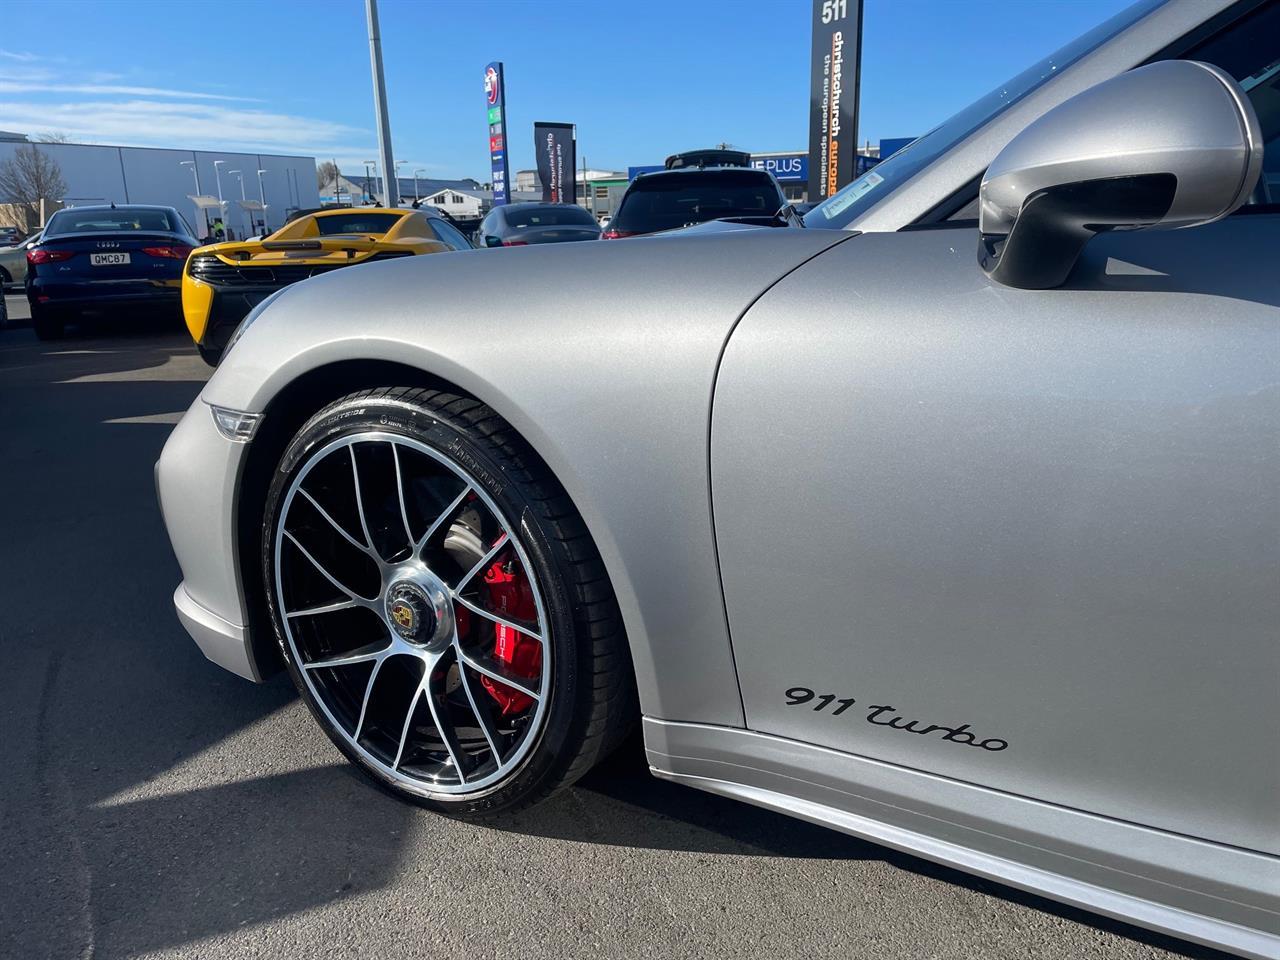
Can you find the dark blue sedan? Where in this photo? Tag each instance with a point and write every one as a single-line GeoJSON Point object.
{"type": "Point", "coordinates": [98, 258]}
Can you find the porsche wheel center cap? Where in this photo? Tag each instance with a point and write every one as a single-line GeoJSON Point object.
{"type": "Point", "coordinates": [410, 612]}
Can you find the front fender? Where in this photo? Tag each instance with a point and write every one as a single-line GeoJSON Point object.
{"type": "Point", "coordinates": [603, 356]}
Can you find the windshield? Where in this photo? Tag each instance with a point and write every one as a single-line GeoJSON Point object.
{"type": "Point", "coordinates": [560, 216]}
{"type": "Point", "coordinates": [112, 221]}
{"type": "Point", "coordinates": [665, 201]}
{"type": "Point", "coordinates": [340, 223]}
{"type": "Point", "coordinates": [842, 208]}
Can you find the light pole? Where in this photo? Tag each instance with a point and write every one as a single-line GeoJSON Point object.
{"type": "Point", "coordinates": [398, 165]}
{"type": "Point", "coordinates": [222, 213]}
{"type": "Point", "coordinates": [390, 193]}
{"type": "Point", "coordinates": [374, 191]}
{"type": "Point", "coordinates": [243, 198]}
{"type": "Point", "coordinates": [415, 183]}
{"type": "Point", "coordinates": [262, 198]}
{"type": "Point", "coordinates": [195, 172]}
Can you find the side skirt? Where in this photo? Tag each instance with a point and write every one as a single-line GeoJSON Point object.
{"type": "Point", "coordinates": [1216, 895]}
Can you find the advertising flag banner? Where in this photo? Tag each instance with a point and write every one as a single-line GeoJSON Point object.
{"type": "Point", "coordinates": [835, 68]}
{"type": "Point", "coordinates": [495, 94]}
{"type": "Point", "coordinates": [555, 147]}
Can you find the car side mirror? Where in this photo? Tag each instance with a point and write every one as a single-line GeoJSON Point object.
{"type": "Point", "coordinates": [1172, 144]}
{"type": "Point", "coordinates": [492, 241]}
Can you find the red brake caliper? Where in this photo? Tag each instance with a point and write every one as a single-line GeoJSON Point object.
{"type": "Point", "coordinates": [511, 597]}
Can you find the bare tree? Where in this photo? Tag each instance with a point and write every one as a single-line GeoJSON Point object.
{"type": "Point", "coordinates": [53, 136]}
{"type": "Point", "coordinates": [326, 172]}
{"type": "Point", "coordinates": [29, 176]}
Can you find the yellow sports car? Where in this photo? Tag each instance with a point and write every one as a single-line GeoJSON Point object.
{"type": "Point", "coordinates": [224, 281]}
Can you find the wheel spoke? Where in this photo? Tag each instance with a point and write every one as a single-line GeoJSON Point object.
{"type": "Point", "coordinates": [493, 673]}
{"type": "Point", "coordinates": [408, 720]}
{"type": "Point", "coordinates": [368, 689]}
{"type": "Point", "coordinates": [360, 656]}
{"type": "Point", "coordinates": [336, 526]}
{"type": "Point", "coordinates": [355, 479]}
{"type": "Point", "coordinates": [482, 562]}
{"type": "Point", "coordinates": [441, 520]}
{"type": "Point", "coordinates": [489, 615]}
{"type": "Point", "coordinates": [327, 608]}
{"type": "Point", "coordinates": [447, 735]}
{"type": "Point", "coordinates": [362, 601]}
{"type": "Point", "coordinates": [482, 714]}
{"type": "Point", "coordinates": [404, 516]}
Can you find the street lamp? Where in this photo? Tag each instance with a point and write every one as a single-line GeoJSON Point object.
{"type": "Point", "coordinates": [195, 172]}
{"type": "Point", "coordinates": [240, 177]}
{"type": "Point", "coordinates": [398, 165]}
{"type": "Point", "coordinates": [222, 212]}
{"type": "Point", "coordinates": [374, 165]}
{"type": "Point", "coordinates": [262, 198]}
{"type": "Point", "coordinates": [415, 183]}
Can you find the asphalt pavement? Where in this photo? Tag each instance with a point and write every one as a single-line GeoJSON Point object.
{"type": "Point", "coordinates": [154, 805]}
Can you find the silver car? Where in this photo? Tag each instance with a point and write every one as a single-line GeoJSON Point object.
{"type": "Point", "coordinates": [951, 520]}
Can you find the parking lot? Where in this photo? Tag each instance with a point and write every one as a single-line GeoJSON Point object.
{"type": "Point", "coordinates": [155, 805]}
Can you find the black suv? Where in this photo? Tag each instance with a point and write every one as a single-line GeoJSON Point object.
{"type": "Point", "coordinates": [669, 199]}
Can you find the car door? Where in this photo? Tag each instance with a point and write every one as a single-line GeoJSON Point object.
{"type": "Point", "coordinates": [1028, 540]}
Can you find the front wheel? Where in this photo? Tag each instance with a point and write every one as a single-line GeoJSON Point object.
{"type": "Point", "coordinates": [209, 355]}
{"type": "Point", "coordinates": [439, 603]}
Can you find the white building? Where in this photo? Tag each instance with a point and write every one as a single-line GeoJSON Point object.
{"type": "Point", "coordinates": [175, 178]}
{"type": "Point", "coordinates": [460, 204]}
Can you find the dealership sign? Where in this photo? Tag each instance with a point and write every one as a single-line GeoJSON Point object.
{"type": "Point", "coordinates": [554, 145]}
{"type": "Point", "coordinates": [833, 95]}
{"type": "Point", "coordinates": [793, 167]}
{"type": "Point", "coordinates": [495, 94]}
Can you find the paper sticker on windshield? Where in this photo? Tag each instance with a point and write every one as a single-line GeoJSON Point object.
{"type": "Point", "coordinates": [846, 197]}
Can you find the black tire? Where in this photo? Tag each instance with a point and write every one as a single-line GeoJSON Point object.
{"type": "Point", "coordinates": [4, 278]}
{"type": "Point", "coordinates": [592, 706]}
{"type": "Point", "coordinates": [208, 355]}
{"type": "Point", "coordinates": [48, 324]}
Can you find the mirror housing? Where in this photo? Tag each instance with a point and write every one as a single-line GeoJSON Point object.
{"type": "Point", "coordinates": [492, 241]}
{"type": "Point", "coordinates": [1172, 144]}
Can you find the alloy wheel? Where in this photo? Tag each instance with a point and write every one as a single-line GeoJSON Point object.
{"type": "Point", "coordinates": [413, 614]}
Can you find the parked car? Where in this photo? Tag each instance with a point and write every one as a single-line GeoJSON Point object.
{"type": "Point", "coordinates": [224, 281]}
{"type": "Point", "coordinates": [949, 520]}
{"type": "Point", "coordinates": [106, 258]}
{"type": "Point", "coordinates": [713, 157]}
{"type": "Point", "coordinates": [520, 224]}
{"type": "Point", "coordinates": [670, 199]}
{"type": "Point", "coordinates": [13, 261]}
{"type": "Point", "coordinates": [10, 236]}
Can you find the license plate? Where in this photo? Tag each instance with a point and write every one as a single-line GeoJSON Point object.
{"type": "Point", "coordinates": [108, 259]}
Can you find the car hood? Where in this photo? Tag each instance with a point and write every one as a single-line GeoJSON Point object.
{"type": "Point", "coordinates": [459, 315]}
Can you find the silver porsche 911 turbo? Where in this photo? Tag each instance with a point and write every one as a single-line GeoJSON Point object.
{"type": "Point", "coordinates": [950, 520]}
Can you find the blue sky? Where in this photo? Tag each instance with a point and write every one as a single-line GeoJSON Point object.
{"type": "Point", "coordinates": [640, 80]}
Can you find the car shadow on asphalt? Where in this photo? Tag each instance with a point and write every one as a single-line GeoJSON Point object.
{"type": "Point", "coordinates": [672, 816]}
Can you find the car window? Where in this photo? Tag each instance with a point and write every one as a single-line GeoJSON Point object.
{"type": "Point", "coordinates": [448, 234]}
{"type": "Point", "coordinates": [843, 207]}
{"type": "Point", "coordinates": [666, 201]}
{"type": "Point", "coordinates": [550, 216]}
{"type": "Point", "coordinates": [87, 220]}
{"type": "Point", "coordinates": [1249, 50]}
{"type": "Point", "coordinates": [356, 222]}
